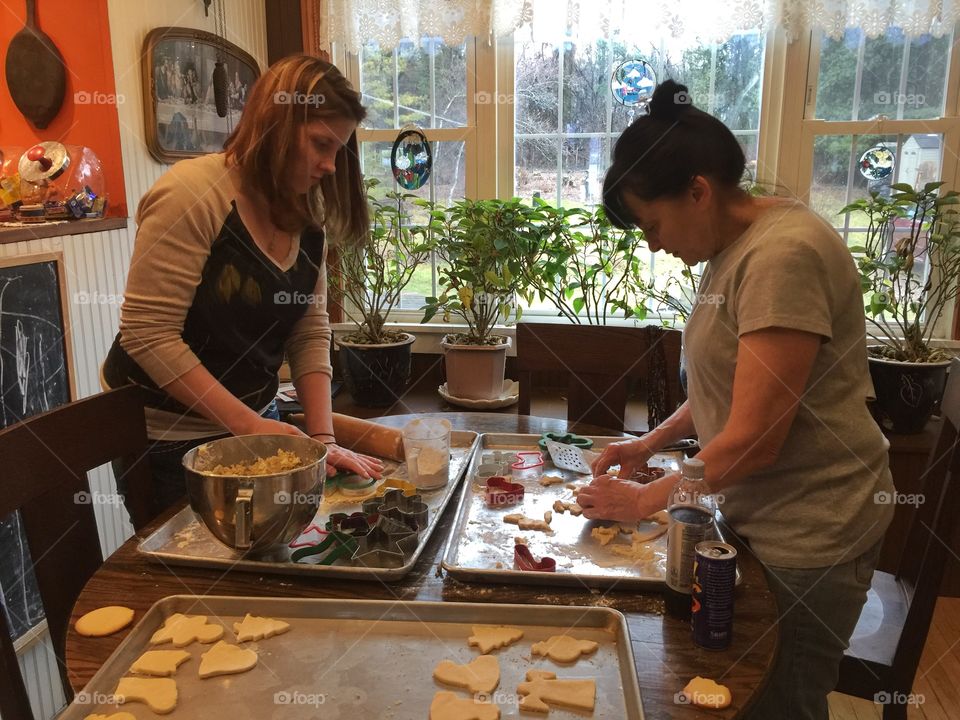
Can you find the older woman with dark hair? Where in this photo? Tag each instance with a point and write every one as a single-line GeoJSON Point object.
{"type": "Point", "coordinates": [228, 274]}
{"type": "Point", "coordinates": [777, 385]}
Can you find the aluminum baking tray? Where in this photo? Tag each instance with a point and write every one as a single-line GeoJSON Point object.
{"type": "Point", "coordinates": [184, 540]}
{"type": "Point", "coordinates": [348, 659]}
{"type": "Point", "coordinates": [480, 545]}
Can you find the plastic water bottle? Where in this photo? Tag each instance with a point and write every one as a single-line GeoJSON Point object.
{"type": "Point", "coordinates": [691, 509]}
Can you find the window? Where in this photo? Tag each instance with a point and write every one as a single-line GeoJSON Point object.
{"type": "Point", "coordinates": [534, 116]}
{"type": "Point", "coordinates": [869, 102]}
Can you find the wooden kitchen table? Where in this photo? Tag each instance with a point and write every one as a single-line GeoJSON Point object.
{"type": "Point", "coordinates": [665, 655]}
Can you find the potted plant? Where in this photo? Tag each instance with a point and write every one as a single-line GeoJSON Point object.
{"type": "Point", "coordinates": [483, 248]}
{"type": "Point", "coordinates": [909, 271]}
{"type": "Point", "coordinates": [591, 270]}
{"type": "Point", "coordinates": [374, 358]}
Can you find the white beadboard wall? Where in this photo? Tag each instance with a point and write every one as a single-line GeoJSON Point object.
{"type": "Point", "coordinates": [99, 261]}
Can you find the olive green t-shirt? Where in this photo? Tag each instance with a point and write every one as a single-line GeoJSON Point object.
{"type": "Point", "coordinates": [818, 504]}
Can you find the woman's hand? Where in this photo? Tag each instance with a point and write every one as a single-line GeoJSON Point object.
{"type": "Point", "coordinates": [339, 458]}
{"type": "Point", "coordinates": [609, 498]}
{"type": "Point", "coordinates": [630, 455]}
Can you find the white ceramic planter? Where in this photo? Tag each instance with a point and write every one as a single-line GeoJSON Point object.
{"type": "Point", "coordinates": [475, 372]}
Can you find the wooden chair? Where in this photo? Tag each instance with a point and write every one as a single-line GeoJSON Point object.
{"type": "Point", "coordinates": [45, 461]}
{"type": "Point", "coordinates": [887, 643]}
{"type": "Point", "coordinates": [598, 361]}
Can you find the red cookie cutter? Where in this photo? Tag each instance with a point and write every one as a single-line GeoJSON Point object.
{"type": "Point", "coordinates": [524, 560]}
{"type": "Point", "coordinates": [501, 491]}
{"type": "Point", "coordinates": [527, 459]}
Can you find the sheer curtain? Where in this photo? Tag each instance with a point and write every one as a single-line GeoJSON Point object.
{"type": "Point", "coordinates": [357, 22]}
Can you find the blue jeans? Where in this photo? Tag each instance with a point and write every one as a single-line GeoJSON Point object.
{"type": "Point", "coordinates": [818, 610]}
{"type": "Point", "coordinates": [165, 460]}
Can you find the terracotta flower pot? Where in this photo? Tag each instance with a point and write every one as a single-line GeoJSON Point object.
{"type": "Point", "coordinates": [475, 372]}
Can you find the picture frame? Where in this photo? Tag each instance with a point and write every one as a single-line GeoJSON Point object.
{"type": "Point", "coordinates": [180, 116]}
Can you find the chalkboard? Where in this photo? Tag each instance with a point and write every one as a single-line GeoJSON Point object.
{"type": "Point", "coordinates": [34, 377]}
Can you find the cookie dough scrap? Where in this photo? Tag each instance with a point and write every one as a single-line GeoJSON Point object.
{"type": "Point", "coordinates": [158, 694]}
{"type": "Point", "coordinates": [561, 507]}
{"type": "Point", "coordinates": [447, 706]}
{"type": "Point", "coordinates": [226, 659]}
{"type": "Point", "coordinates": [527, 523]}
{"type": "Point", "coordinates": [548, 480]}
{"type": "Point", "coordinates": [564, 648]}
{"type": "Point", "coordinates": [104, 621]}
{"type": "Point", "coordinates": [638, 551]}
{"type": "Point", "coordinates": [605, 534]}
{"type": "Point", "coordinates": [661, 517]}
{"type": "Point", "coordinates": [159, 663]}
{"type": "Point", "coordinates": [480, 675]}
{"type": "Point", "coordinates": [182, 630]}
{"type": "Point", "coordinates": [253, 628]}
{"type": "Point", "coordinates": [543, 689]}
{"type": "Point", "coordinates": [115, 716]}
{"type": "Point", "coordinates": [647, 531]}
{"type": "Point", "coordinates": [491, 637]}
{"type": "Point", "coordinates": [708, 693]}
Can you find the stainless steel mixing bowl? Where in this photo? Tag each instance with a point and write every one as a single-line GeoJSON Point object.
{"type": "Point", "coordinates": [255, 512]}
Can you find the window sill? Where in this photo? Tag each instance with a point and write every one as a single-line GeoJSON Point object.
{"type": "Point", "coordinates": [22, 232]}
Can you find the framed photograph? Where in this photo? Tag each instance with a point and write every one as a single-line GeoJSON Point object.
{"type": "Point", "coordinates": [180, 114]}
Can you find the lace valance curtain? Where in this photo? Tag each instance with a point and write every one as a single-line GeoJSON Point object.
{"type": "Point", "coordinates": [357, 22]}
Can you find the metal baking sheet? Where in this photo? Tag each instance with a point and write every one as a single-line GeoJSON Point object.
{"type": "Point", "coordinates": [347, 659]}
{"type": "Point", "coordinates": [184, 540]}
{"type": "Point", "coordinates": [480, 545]}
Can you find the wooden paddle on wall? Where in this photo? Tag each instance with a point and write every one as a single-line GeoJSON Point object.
{"type": "Point", "coordinates": [36, 74]}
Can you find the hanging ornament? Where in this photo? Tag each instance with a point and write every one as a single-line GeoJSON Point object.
{"type": "Point", "coordinates": [877, 163]}
{"type": "Point", "coordinates": [220, 99]}
{"type": "Point", "coordinates": [411, 159]}
{"type": "Point", "coordinates": [633, 83]}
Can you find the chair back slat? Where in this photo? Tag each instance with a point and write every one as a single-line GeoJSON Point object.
{"type": "Point", "coordinates": [927, 549]}
{"type": "Point", "coordinates": [45, 463]}
{"type": "Point", "coordinates": [599, 361]}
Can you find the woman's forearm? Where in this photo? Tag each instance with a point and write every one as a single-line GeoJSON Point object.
{"type": "Point", "coordinates": [676, 427]}
{"type": "Point", "coordinates": [313, 392]}
{"type": "Point", "coordinates": [202, 392]}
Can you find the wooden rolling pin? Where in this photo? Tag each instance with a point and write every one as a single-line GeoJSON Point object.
{"type": "Point", "coordinates": [363, 436]}
{"type": "Point", "coordinates": [368, 437]}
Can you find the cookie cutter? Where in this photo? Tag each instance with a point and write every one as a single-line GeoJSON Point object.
{"type": "Point", "coordinates": [527, 459]}
{"type": "Point", "coordinates": [491, 469]}
{"type": "Point", "coordinates": [388, 544]}
{"type": "Point", "coordinates": [334, 546]}
{"type": "Point", "coordinates": [405, 486]}
{"type": "Point", "coordinates": [340, 538]}
{"type": "Point", "coordinates": [358, 485]}
{"type": "Point", "coordinates": [647, 474]}
{"type": "Point", "coordinates": [500, 491]}
{"type": "Point", "coordinates": [567, 439]}
{"type": "Point", "coordinates": [523, 560]}
{"type": "Point", "coordinates": [407, 510]}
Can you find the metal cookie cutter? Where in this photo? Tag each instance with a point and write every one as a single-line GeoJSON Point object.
{"type": "Point", "coordinates": [523, 560]}
{"type": "Point", "coordinates": [565, 438]}
{"type": "Point", "coordinates": [410, 511]}
{"type": "Point", "coordinates": [491, 469]}
{"type": "Point", "coordinates": [387, 545]}
{"type": "Point", "coordinates": [501, 491]}
{"type": "Point", "coordinates": [405, 486]}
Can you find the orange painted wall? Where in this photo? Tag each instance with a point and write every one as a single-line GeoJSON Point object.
{"type": "Point", "coordinates": [81, 31]}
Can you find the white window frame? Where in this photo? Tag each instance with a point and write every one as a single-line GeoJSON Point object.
{"type": "Point", "coordinates": [799, 128]}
